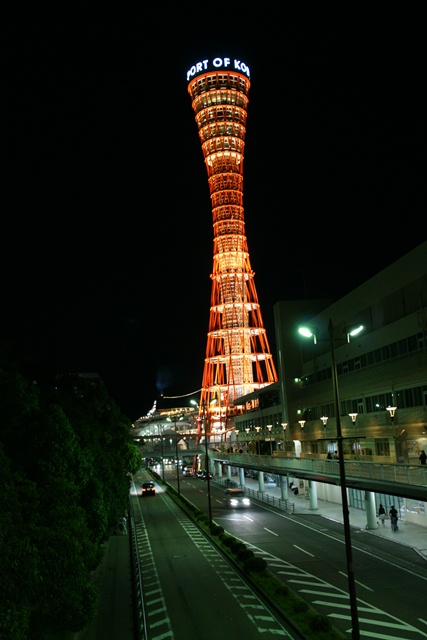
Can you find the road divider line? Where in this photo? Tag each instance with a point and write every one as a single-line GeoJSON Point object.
{"type": "Point", "coordinates": [304, 551]}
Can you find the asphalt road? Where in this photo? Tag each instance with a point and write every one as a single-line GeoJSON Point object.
{"type": "Point", "coordinates": [308, 553]}
{"type": "Point", "coordinates": [190, 590]}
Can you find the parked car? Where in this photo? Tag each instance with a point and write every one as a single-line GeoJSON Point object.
{"type": "Point", "coordinates": [148, 489]}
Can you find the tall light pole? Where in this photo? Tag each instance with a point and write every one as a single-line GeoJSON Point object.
{"type": "Point", "coordinates": [208, 480]}
{"type": "Point", "coordinates": [324, 420]}
{"type": "Point", "coordinates": [353, 417]}
{"type": "Point", "coordinates": [269, 427]}
{"type": "Point", "coordinates": [176, 452]}
{"type": "Point", "coordinates": [306, 332]}
{"type": "Point", "coordinates": [257, 439]}
{"type": "Point", "coordinates": [161, 451]}
{"type": "Point", "coordinates": [355, 632]}
{"type": "Point", "coordinates": [392, 411]}
{"type": "Point", "coordinates": [284, 425]}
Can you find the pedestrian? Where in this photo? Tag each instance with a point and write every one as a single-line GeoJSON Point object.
{"type": "Point", "coordinates": [123, 526]}
{"type": "Point", "coordinates": [381, 514]}
{"type": "Point", "coordinates": [423, 457]}
{"type": "Point", "coordinates": [393, 518]}
{"type": "Point", "coordinates": [335, 455]}
{"type": "Point", "coordinates": [329, 456]}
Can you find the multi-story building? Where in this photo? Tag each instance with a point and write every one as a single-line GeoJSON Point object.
{"type": "Point", "coordinates": [381, 374]}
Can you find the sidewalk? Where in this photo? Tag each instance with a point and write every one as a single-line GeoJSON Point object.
{"type": "Point", "coordinates": [408, 534]}
{"type": "Point", "coordinates": [114, 618]}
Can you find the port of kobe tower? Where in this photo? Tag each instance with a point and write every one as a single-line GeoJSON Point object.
{"type": "Point", "coordinates": [238, 359]}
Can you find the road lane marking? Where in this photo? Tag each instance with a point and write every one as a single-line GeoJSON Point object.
{"type": "Point", "coordinates": [248, 518]}
{"type": "Point", "coordinates": [272, 532]}
{"type": "Point", "coordinates": [304, 551]}
{"type": "Point", "coordinates": [364, 586]}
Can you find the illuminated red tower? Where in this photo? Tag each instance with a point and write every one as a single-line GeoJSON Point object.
{"type": "Point", "coordinates": [238, 359]}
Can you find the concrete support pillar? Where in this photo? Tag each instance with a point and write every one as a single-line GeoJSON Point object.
{"type": "Point", "coordinates": [242, 477]}
{"type": "Point", "coordinates": [312, 490]}
{"type": "Point", "coordinates": [218, 469]}
{"type": "Point", "coordinates": [371, 512]}
{"type": "Point", "coordinates": [261, 481]}
{"type": "Point", "coordinates": [284, 487]}
{"type": "Point", "coordinates": [228, 467]}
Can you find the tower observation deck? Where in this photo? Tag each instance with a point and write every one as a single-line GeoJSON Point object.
{"type": "Point", "coordinates": [238, 359]}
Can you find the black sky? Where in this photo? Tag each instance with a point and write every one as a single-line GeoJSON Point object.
{"type": "Point", "coordinates": [106, 233]}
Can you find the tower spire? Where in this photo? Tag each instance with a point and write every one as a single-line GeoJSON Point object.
{"type": "Point", "coordinates": [238, 359]}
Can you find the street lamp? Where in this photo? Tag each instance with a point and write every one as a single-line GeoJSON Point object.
{"type": "Point", "coordinates": [307, 332]}
{"type": "Point", "coordinates": [257, 439]}
{"type": "Point", "coordinates": [392, 411]}
{"type": "Point", "coordinates": [208, 480]}
{"type": "Point", "coordinates": [353, 417]}
{"type": "Point", "coordinates": [284, 425]}
{"type": "Point", "coordinates": [269, 427]}
{"type": "Point", "coordinates": [161, 451]}
{"type": "Point", "coordinates": [176, 453]}
{"type": "Point", "coordinates": [247, 429]}
{"type": "Point", "coordinates": [325, 419]}
{"type": "Point", "coordinates": [236, 431]}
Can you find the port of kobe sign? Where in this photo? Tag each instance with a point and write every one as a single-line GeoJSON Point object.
{"type": "Point", "coordinates": [218, 63]}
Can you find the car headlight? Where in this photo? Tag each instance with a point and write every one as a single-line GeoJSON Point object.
{"type": "Point", "coordinates": [233, 503]}
{"type": "Point", "coordinates": [246, 502]}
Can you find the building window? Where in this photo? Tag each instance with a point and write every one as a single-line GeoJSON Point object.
{"type": "Point", "coordinates": [382, 447]}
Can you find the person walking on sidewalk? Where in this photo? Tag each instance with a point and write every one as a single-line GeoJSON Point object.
{"type": "Point", "coordinates": [123, 526]}
{"type": "Point", "coordinates": [381, 514]}
{"type": "Point", "coordinates": [423, 457]}
{"type": "Point", "coordinates": [393, 518]}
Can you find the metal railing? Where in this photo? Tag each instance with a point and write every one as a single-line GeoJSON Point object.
{"type": "Point", "coordinates": [383, 472]}
{"type": "Point", "coordinates": [140, 622]}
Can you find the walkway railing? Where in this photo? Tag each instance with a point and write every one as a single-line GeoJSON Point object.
{"type": "Point", "coordinates": [398, 473]}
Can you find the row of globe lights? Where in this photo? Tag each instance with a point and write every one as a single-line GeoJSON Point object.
{"type": "Point", "coordinates": [324, 419]}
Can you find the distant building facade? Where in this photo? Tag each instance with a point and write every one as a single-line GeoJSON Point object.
{"type": "Point", "coordinates": [382, 374]}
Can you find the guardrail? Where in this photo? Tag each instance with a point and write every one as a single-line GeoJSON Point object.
{"type": "Point", "coordinates": [382, 472]}
{"type": "Point", "coordinates": [141, 629]}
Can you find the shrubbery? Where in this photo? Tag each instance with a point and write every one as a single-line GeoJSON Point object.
{"type": "Point", "coordinates": [65, 454]}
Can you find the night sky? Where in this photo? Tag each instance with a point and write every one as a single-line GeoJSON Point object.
{"type": "Point", "coordinates": [106, 226]}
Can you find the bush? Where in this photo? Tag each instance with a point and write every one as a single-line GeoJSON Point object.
{"type": "Point", "coordinates": [217, 530]}
{"type": "Point", "coordinates": [202, 518]}
{"type": "Point", "coordinates": [256, 565]}
{"type": "Point", "coordinates": [227, 540]}
{"type": "Point", "coordinates": [282, 590]}
{"type": "Point", "coordinates": [319, 623]}
{"type": "Point", "coordinates": [237, 546]}
{"type": "Point", "coordinates": [245, 554]}
{"type": "Point", "coordinates": [300, 606]}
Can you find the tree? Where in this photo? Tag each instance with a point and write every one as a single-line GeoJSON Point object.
{"type": "Point", "coordinates": [65, 457]}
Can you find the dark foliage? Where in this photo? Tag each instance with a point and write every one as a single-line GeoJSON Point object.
{"type": "Point", "coordinates": [65, 454]}
{"type": "Point", "coordinates": [254, 565]}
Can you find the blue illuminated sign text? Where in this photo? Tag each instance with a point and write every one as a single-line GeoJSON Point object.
{"type": "Point", "coordinates": [218, 63]}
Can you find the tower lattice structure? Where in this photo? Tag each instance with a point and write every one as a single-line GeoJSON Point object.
{"type": "Point", "coordinates": [238, 359]}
